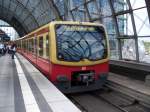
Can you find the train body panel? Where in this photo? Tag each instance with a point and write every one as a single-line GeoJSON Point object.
{"type": "Point", "coordinates": [73, 55]}
{"type": "Point", "coordinates": [58, 70]}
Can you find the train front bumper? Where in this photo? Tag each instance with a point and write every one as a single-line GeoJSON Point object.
{"type": "Point", "coordinates": [64, 85]}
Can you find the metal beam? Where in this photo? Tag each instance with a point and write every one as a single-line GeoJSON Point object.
{"type": "Point", "coordinates": [148, 8]}
{"type": "Point", "coordinates": [134, 29]}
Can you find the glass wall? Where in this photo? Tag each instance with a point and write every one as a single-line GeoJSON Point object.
{"type": "Point", "coordinates": [126, 21]}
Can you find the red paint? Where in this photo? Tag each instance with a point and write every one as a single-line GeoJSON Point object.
{"type": "Point", "coordinates": [67, 70]}
{"type": "Point", "coordinates": [51, 70]}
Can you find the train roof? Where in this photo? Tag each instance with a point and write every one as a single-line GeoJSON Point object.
{"type": "Point", "coordinates": [59, 22]}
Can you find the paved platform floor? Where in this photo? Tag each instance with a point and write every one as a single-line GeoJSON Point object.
{"type": "Point", "coordinates": [24, 89]}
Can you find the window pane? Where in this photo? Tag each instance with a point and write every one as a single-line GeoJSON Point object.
{"type": "Point", "coordinates": [104, 7]}
{"type": "Point", "coordinates": [47, 46]}
{"type": "Point", "coordinates": [120, 5]}
{"type": "Point", "coordinates": [137, 3]}
{"type": "Point", "coordinates": [109, 24]}
{"type": "Point", "coordinates": [128, 49]}
{"type": "Point", "coordinates": [90, 42]}
{"type": "Point", "coordinates": [142, 22]}
{"type": "Point", "coordinates": [35, 45]}
{"type": "Point", "coordinates": [113, 43]}
{"type": "Point", "coordinates": [26, 45]}
{"type": "Point", "coordinates": [76, 3]}
{"type": "Point", "coordinates": [31, 45]}
{"type": "Point", "coordinates": [144, 49]}
{"type": "Point", "coordinates": [60, 6]}
{"type": "Point", "coordinates": [78, 15]}
{"type": "Point", "coordinates": [93, 10]}
{"type": "Point", "coordinates": [40, 46]}
{"type": "Point", "coordinates": [125, 24]}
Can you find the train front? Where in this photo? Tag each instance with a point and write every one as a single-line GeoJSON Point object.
{"type": "Point", "coordinates": [79, 57]}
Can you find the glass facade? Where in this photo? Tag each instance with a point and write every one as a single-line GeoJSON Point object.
{"type": "Point", "coordinates": [126, 21]}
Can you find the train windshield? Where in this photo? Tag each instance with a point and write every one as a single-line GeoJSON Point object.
{"type": "Point", "coordinates": [75, 42]}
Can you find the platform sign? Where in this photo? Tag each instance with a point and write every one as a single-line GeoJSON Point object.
{"type": "Point", "coordinates": [4, 38]}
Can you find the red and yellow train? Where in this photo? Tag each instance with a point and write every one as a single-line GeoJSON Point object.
{"type": "Point", "coordinates": [72, 55]}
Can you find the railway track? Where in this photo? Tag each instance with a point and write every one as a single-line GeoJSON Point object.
{"type": "Point", "coordinates": [107, 101]}
{"type": "Point", "coordinates": [78, 104]}
{"type": "Point", "coordinates": [122, 102]}
{"type": "Point", "coordinates": [142, 98]}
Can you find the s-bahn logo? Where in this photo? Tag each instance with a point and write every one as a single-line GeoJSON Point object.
{"type": "Point", "coordinates": [83, 68]}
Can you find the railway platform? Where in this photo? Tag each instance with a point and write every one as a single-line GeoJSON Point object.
{"type": "Point", "coordinates": [24, 89]}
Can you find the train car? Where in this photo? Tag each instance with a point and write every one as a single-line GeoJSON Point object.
{"type": "Point", "coordinates": [72, 55]}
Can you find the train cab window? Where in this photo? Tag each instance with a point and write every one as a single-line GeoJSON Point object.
{"type": "Point", "coordinates": [41, 46]}
{"type": "Point", "coordinates": [47, 46]}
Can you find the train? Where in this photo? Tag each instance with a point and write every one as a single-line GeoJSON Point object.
{"type": "Point", "coordinates": [73, 55]}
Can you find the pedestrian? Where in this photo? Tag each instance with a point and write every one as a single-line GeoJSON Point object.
{"type": "Point", "coordinates": [9, 48]}
{"type": "Point", "coordinates": [1, 48]}
{"type": "Point", "coordinates": [4, 49]}
{"type": "Point", "coordinates": [13, 49]}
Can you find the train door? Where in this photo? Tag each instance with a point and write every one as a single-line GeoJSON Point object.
{"type": "Point", "coordinates": [47, 53]}
{"type": "Point", "coordinates": [40, 52]}
{"type": "Point", "coordinates": [42, 60]}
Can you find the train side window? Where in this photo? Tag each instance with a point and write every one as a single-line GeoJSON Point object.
{"type": "Point", "coordinates": [30, 45]}
{"type": "Point", "coordinates": [41, 46]}
{"type": "Point", "coordinates": [26, 45]}
{"type": "Point", "coordinates": [47, 46]}
{"type": "Point", "coordinates": [35, 45]}
{"type": "Point", "coordinates": [23, 44]}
